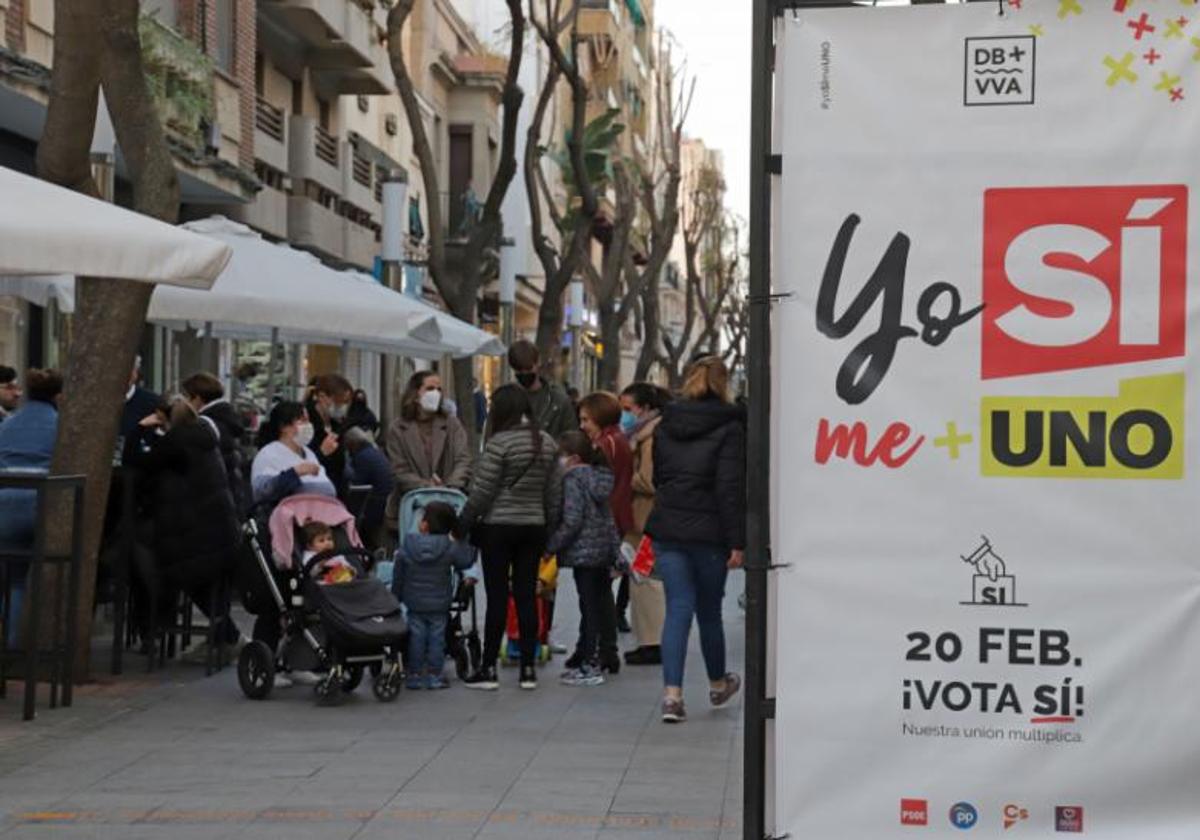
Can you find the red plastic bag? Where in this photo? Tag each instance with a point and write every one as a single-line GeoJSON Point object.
{"type": "Point", "coordinates": [643, 561]}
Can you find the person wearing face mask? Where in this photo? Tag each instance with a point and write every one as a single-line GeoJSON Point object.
{"type": "Point", "coordinates": [552, 408]}
{"type": "Point", "coordinates": [426, 445]}
{"type": "Point", "coordinates": [284, 466]}
{"type": "Point", "coordinates": [328, 404]}
{"type": "Point", "coordinates": [641, 413]}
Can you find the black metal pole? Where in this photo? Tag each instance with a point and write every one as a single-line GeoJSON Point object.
{"type": "Point", "coordinates": [758, 455]}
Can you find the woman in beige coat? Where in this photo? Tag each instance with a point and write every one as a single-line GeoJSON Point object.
{"type": "Point", "coordinates": [641, 405]}
{"type": "Point", "coordinates": [426, 445]}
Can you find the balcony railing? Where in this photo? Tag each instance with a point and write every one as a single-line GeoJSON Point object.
{"type": "Point", "coordinates": [360, 169]}
{"type": "Point", "coordinates": [268, 119]}
{"type": "Point", "coordinates": [326, 146]}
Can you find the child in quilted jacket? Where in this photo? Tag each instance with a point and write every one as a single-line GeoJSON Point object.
{"type": "Point", "coordinates": [586, 541]}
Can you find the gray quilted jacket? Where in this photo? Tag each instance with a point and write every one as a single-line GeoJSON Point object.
{"type": "Point", "coordinates": [587, 536]}
{"type": "Point", "coordinates": [512, 484]}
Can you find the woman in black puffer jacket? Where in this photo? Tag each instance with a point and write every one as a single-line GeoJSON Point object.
{"type": "Point", "coordinates": [195, 526]}
{"type": "Point", "coordinates": [698, 524]}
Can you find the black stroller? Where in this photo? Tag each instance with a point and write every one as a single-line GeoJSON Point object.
{"type": "Point", "coordinates": [339, 629]}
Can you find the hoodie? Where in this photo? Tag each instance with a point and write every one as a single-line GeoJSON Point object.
{"type": "Point", "coordinates": [421, 580]}
{"type": "Point", "coordinates": [587, 536]}
{"type": "Point", "coordinates": [700, 475]}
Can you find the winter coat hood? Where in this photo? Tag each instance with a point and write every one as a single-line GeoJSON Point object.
{"type": "Point", "coordinates": [691, 419]}
{"type": "Point", "coordinates": [426, 549]}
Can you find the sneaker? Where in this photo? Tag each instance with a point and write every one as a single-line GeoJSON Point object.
{"type": "Point", "coordinates": [415, 683]}
{"type": "Point", "coordinates": [573, 661]}
{"type": "Point", "coordinates": [557, 649]}
{"type": "Point", "coordinates": [673, 711]}
{"type": "Point", "coordinates": [587, 675]}
{"type": "Point", "coordinates": [483, 680]}
{"type": "Point", "coordinates": [644, 655]}
{"type": "Point", "coordinates": [304, 677]}
{"type": "Point", "coordinates": [528, 677]}
{"type": "Point", "coordinates": [719, 697]}
{"type": "Point", "coordinates": [281, 681]}
{"type": "Point", "coordinates": [434, 682]}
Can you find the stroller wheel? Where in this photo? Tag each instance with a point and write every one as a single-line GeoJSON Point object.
{"type": "Point", "coordinates": [462, 664]}
{"type": "Point", "coordinates": [351, 677]}
{"type": "Point", "coordinates": [387, 685]}
{"type": "Point", "coordinates": [256, 670]}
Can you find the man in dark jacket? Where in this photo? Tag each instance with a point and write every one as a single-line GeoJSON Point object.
{"type": "Point", "coordinates": [552, 409]}
{"type": "Point", "coordinates": [139, 402]}
{"type": "Point", "coordinates": [206, 395]}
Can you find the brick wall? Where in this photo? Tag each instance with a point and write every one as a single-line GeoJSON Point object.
{"type": "Point", "coordinates": [14, 25]}
{"type": "Point", "coordinates": [204, 31]}
{"type": "Point", "coordinates": [245, 46]}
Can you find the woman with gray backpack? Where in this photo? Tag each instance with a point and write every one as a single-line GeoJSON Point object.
{"type": "Point", "coordinates": [587, 542]}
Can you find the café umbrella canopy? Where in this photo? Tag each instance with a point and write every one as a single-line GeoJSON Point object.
{"type": "Point", "coordinates": [458, 338]}
{"type": "Point", "coordinates": [47, 229]}
{"type": "Point", "coordinates": [271, 291]}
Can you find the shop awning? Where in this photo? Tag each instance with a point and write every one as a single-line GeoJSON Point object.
{"type": "Point", "coordinates": [46, 229]}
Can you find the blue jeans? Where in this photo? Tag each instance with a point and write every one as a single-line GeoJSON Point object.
{"type": "Point", "coordinates": [693, 576]}
{"type": "Point", "coordinates": [426, 643]}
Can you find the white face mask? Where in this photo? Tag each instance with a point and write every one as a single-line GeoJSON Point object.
{"type": "Point", "coordinates": [564, 461]}
{"type": "Point", "coordinates": [431, 400]}
{"type": "Point", "coordinates": [304, 434]}
{"type": "Point", "coordinates": [338, 412]}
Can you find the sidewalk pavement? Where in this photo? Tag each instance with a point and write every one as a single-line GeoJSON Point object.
{"type": "Point", "coordinates": [175, 755]}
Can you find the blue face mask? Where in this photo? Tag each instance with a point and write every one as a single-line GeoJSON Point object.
{"type": "Point", "coordinates": [628, 421]}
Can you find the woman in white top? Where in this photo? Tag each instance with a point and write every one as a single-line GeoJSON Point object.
{"type": "Point", "coordinates": [284, 465]}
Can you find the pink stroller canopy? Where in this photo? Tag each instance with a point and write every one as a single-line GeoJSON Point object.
{"type": "Point", "coordinates": [296, 511]}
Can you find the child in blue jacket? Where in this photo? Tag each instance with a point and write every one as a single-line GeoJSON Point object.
{"type": "Point", "coordinates": [423, 583]}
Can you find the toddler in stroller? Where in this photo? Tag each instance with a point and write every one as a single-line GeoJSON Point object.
{"type": "Point", "coordinates": [336, 628]}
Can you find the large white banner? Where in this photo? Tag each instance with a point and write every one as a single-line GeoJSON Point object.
{"type": "Point", "coordinates": [986, 422]}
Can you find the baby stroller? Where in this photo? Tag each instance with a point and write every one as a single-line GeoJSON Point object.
{"type": "Point", "coordinates": [340, 628]}
{"type": "Point", "coordinates": [463, 647]}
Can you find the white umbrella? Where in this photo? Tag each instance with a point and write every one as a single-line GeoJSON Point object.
{"type": "Point", "coordinates": [46, 229]}
{"type": "Point", "coordinates": [270, 291]}
{"type": "Point", "coordinates": [458, 338]}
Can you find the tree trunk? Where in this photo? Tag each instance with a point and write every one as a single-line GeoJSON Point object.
{"type": "Point", "coordinates": [459, 286]}
{"type": "Point", "coordinates": [97, 43]}
{"type": "Point", "coordinates": [650, 331]}
{"type": "Point", "coordinates": [610, 363]}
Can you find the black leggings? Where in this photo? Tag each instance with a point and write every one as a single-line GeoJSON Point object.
{"type": "Point", "coordinates": [597, 618]}
{"type": "Point", "coordinates": [510, 552]}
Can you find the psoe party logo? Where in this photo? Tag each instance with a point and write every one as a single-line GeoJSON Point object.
{"type": "Point", "coordinates": [1137, 434]}
{"type": "Point", "coordinates": [1083, 277]}
{"type": "Point", "coordinates": [914, 812]}
{"type": "Point", "coordinates": [1000, 71]}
